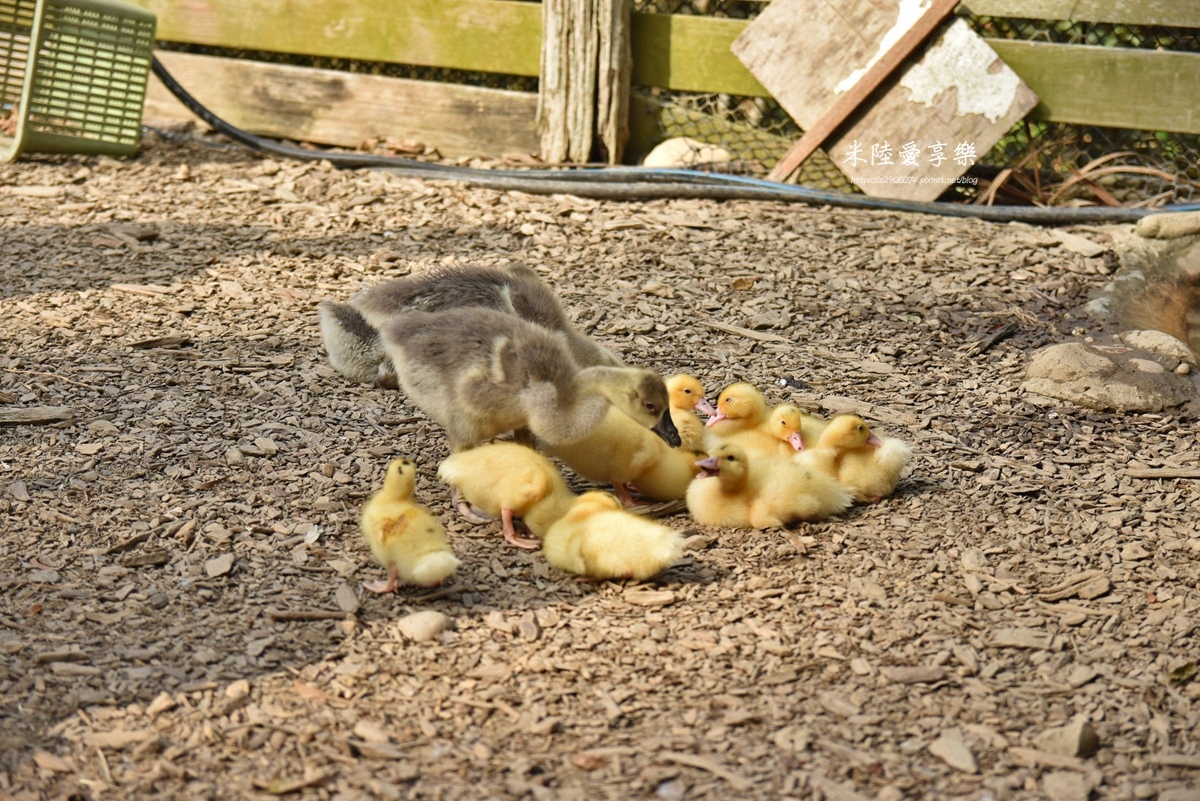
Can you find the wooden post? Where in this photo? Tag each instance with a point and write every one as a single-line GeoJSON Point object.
{"type": "Point", "coordinates": [584, 85]}
{"type": "Point", "coordinates": [615, 73]}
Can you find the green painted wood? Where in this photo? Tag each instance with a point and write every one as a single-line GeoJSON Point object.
{"type": "Point", "coordinates": [1140, 89]}
{"type": "Point", "coordinates": [1143, 89]}
{"type": "Point", "coordinates": [478, 35]}
{"type": "Point", "coordinates": [690, 54]}
{"type": "Point", "coordinates": [1177, 13]}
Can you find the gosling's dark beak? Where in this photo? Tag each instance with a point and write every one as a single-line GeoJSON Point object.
{"type": "Point", "coordinates": [667, 430]}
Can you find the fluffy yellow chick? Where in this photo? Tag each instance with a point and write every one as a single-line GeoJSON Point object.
{"type": "Point", "coordinates": [767, 493]}
{"type": "Point", "coordinates": [629, 456]}
{"type": "Point", "coordinates": [795, 428]}
{"type": "Point", "coordinates": [598, 539]}
{"type": "Point", "coordinates": [740, 407]}
{"type": "Point", "coordinates": [866, 464]}
{"type": "Point", "coordinates": [404, 537]}
{"type": "Point", "coordinates": [687, 397]}
{"type": "Point", "coordinates": [508, 480]}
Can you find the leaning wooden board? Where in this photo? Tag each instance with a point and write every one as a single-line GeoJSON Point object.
{"type": "Point", "coordinates": [923, 128]}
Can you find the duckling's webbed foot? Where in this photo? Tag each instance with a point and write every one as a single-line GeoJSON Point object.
{"type": "Point", "coordinates": [468, 511]}
{"type": "Point", "coordinates": [382, 587]}
{"type": "Point", "coordinates": [625, 495]}
{"type": "Point", "coordinates": [510, 533]}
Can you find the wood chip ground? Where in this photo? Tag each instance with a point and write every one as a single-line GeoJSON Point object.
{"type": "Point", "coordinates": [181, 613]}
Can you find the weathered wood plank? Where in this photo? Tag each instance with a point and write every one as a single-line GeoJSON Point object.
{"type": "Point", "coordinates": [1130, 12]}
{"type": "Point", "coordinates": [341, 108]}
{"type": "Point", "coordinates": [923, 128]}
{"type": "Point", "coordinates": [484, 35]}
{"type": "Point", "coordinates": [887, 60]}
{"type": "Point", "coordinates": [690, 54]}
{"type": "Point", "coordinates": [1141, 89]}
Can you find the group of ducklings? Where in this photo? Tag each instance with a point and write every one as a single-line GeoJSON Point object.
{"type": "Point", "coordinates": [485, 351]}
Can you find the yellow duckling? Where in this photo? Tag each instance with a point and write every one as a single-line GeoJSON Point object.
{"type": "Point", "coordinates": [795, 428]}
{"type": "Point", "coordinates": [403, 536]}
{"type": "Point", "coordinates": [740, 407]}
{"type": "Point", "coordinates": [629, 456]}
{"type": "Point", "coordinates": [508, 481]}
{"type": "Point", "coordinates": [687, 398]}
{"type": "Point", "coordinates": [868, 465]}
{"type": "Point", "coordinates": [767, 493]}
{"type": "Point", "coordinates": [598, 539]}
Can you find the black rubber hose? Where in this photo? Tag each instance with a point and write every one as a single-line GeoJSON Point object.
{"type": "Point", "coordinates": [640, 183]}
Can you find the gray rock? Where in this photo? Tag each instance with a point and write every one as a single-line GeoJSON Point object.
{"type": "Point", "coordinates": [1147, 366]}
{"type": "Point", "coordinates": [1169, 226]}
{"type": "Point", "coordinates": [1159, 343]}
{"type": "Point", "coordinates": [1076, 739]}
{"type": "Point", "coordinates": [1069, 361]}
{"type": "Point", "coordinates": [423, 626]}
{"type": "Point", "coordinates": [1065, 785]}
{"type": "Point", "coordinates": [951, 749]}
{"type": "Point", "coordinates": [1087, 376]}
{"type": "Point", "coordinates": [1180, 794]}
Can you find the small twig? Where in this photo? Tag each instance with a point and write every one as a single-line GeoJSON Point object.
{"type": "Point", "coordinates": [55, 376]}
{"type": "Point", "coordinates": [663, 509]}
{"type": "Point", "coordinates": [692, 761]}
{"type": "Point", "coordinates": [1067, 609]}
{"type": "Point", "coordinates": [129, 543]}
{"type": "Point", "coordinates": [745, 332]}
{"type": "Point", "coordinates": [305, 614]}
{"type": "Point", "coordinates": [443, 592]}
{"type": "Point", "coordinates": [984, 345]}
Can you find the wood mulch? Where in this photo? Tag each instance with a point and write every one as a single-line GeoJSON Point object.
{"type": "Point", "coordinates": [181, 613]}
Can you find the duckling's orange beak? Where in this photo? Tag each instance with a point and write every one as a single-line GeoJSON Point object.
{"type": "Point", "coordinates": [708, 467]}
{"type": "Point", "coordinates": [665, 428]}
{"type": "Point", "coordinates": [874, 441]}
{"type": "Point", "coordinates": [705, 407]}
{"type": "Point", "coordinates": [717, 416]}
{"type": "Point", "coordinates": [796, 441]}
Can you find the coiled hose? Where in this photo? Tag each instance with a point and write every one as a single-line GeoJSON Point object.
{"type": "Point", "coordinates": [641, 183]}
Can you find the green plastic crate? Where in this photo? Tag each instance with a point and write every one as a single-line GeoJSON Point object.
{"type": "Point", "coordinates": [73, 76]}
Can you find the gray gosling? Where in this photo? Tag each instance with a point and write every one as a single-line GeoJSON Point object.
{"type": "Point", "coordinates": [347, 328]}
{"type": "Point", "coordinates": [479, 373]}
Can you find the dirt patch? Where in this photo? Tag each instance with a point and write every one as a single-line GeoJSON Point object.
{"type": "Point", "coordinates": [180, 602]}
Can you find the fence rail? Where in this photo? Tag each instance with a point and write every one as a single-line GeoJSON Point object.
{"type": "Point", "coordinates": [1111, 86]}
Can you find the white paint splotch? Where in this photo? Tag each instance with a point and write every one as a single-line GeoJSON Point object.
{"type": "Point", "coordinates": [910, 12]}
{"type": "Point", "coordinates": [961, 60]}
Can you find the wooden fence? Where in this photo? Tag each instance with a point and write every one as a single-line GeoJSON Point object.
{"type": "Point", "coordinates": [1106, 86]}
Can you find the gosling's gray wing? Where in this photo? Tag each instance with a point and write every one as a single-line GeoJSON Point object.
{"type": "Point", "coordinates": [440, 289]}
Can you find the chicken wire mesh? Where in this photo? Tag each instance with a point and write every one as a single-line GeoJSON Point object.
{"type": "Point", "coordinates": [1036, 162]}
